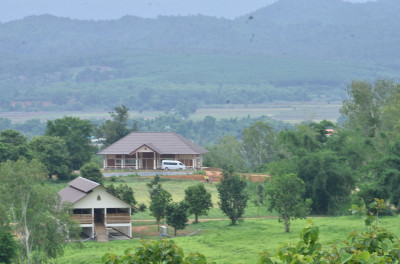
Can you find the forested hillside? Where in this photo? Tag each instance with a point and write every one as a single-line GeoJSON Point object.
{"type": "Point", "coordinates": [296, 51]}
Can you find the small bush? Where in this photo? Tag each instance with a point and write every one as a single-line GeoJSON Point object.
{"type": "Point", "coordinates": [201, 172]}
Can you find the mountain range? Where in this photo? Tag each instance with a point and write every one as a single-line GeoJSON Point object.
{"type": "Point", "coordinates": [314, 47]}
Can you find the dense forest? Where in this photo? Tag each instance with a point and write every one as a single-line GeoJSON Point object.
{"type": "Point", "coordinates": [301, 51]}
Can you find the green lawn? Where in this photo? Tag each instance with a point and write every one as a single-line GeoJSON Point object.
{"type": "Point", "coordinates": [177, 190]}
{"type": "Point", "coordinates": [216, 239]}
{"type": "Point", "coordinates": [223, 243]}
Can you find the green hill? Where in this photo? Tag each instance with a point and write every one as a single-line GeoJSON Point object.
{"type": "Point", "coordinates": [302, 50]}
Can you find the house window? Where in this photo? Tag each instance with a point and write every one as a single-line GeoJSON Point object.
{"type": "Point", "coordinates": [130, 162]}
{"type": "Point", "coordinates": [118, 162]}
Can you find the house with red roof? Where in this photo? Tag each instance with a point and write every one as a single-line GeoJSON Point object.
{"type": "Point", "coordinates": [146, 150]}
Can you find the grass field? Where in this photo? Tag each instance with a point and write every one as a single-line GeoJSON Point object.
{"type": "Point", "coordinates": [242, 243]}
{"type": "Point", "coordinates": [291, 112]}
{"type": "Point", "coordinates": [215, 238]}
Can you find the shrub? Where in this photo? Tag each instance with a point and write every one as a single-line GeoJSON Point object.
{"type": "Point", "coordinates": [159, 251]}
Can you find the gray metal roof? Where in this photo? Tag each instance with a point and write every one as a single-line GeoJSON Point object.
{"type": "Point", "coordinates": [77, 189]}
{"type": "Point", "coordinates": [161, 142]}
{"type": "Point", "coordinates": [83, 184]}
{"type": "Point", "coordinates": [70, 194]}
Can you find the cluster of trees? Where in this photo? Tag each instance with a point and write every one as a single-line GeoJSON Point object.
{"type": "Point", "coordinates": [64, 147]}
{"type": "Point", "coordinates": [28, 206]}
{"type": "Point", "coordinates": [203, 132]}
{"type": "Point", "coordinates": [197, 201]}
{"type": "Point", "coordinates": [66, 144]}
{"type": "Point", "coordinates": [233, 197]}
{"type": "Point", "coordinates": [315, 166]}
{"type": "Point", "coordinates": [331, 160]}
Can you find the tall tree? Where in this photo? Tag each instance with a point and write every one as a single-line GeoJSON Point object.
{"type": "Point", "coordinates": [40, 221]}
{"type": "Point", "coordinates": [13, 145]}
{"type": "Point", "coordinates": [228, 152]}
{"type": "Point", "coordinates": [233, 195]}
{"type": "Point", "coordinates": [286, 196]}
{"type": "Point", "coordinates": [366, 104]}
{"type": "Point", "coordinates": [258, 142]}
{"type": "Point", "coordinates": [76, 134]}
{"type": "Point", "coordinates": [259, 198]}
{"type": "Point", "coordinates": [8, 246]}
{"type": "Point", "coordinates": [158, 204]}
{"type": "Point", "coordinates": [199, 200]}
{"type": "Point", "coordinates": [159, 199]}
{"type": "Point", "coordinates": [91, 171]}
{"type": "Point", "coordinates": [116, 128]}
{"type": "Point", "coordinates": [386, 183]}
{"type": "Point", "coordinates": [53, 153]}
{"type": "Point", "coordinates": [328, 178]}
{"type": "Point", "coordinates": [125, 193]}
{"type": "Point", "coordinates": [176, 215]}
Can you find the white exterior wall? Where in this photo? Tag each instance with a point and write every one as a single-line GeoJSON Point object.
{"type": "Point", "coordinates": [106, 200]}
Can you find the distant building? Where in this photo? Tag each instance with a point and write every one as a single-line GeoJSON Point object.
{"type": "Point", "coordinates": [97, 211]}
{"type": "Point", "coordinates": [329, 132]}
{"type": "Point", "coordinates": [146, 150]}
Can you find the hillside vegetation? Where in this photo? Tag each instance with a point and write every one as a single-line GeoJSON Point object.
{"type": "Point", "coordinates": [302, 51]}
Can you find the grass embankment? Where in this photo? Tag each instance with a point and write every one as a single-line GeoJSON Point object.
{"type": "Point", "coordinates": [223, 243]}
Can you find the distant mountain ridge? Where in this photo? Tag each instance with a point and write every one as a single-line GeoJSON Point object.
{"type": "Point", "coordinates": [319, 26]}
{"type": "Point", "coordinates": [315, 47]}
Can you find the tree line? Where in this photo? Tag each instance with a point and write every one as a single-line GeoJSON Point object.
{"type": "Point", "coordinates": [332, 160]}
{"type": "Point", "coordinates": [321, 168]}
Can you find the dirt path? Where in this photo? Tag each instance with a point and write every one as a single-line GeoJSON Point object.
{"type": "Point", "coordinates": [216, 175]}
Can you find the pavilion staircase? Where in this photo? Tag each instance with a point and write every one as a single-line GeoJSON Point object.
{"type": "Point", "coordinates": [101, 232]}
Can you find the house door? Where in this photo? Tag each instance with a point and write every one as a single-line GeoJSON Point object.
{"type": "Point", "coordinates": [99, 215]}
{"type": "Point", "coordinates": [150, 164]}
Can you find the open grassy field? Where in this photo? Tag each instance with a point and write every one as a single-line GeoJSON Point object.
{"type": "Point", "coordinates": [242, 243]}
{"type": "Point", "coordinates": [291, 112]}
{"type": "Point", "coordinates": [214, 237]}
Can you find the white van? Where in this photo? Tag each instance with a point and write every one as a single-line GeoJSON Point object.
{"type": "Point", "coordinates": [172, 165]}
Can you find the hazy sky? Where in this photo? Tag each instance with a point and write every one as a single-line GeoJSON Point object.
{"type": "Point", "coordinates": [114, 9]}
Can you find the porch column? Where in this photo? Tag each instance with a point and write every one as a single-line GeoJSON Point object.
{"type": "Point", "coordinates": [105, 162]}
{"type": "Point", "coordinates": [194, 164]}
{"type": "Point", "coordinates": [155, 161]}
{"type": "Point", "coordinates": [92, 223]}
{"type": "Point", "coordinates": [137, 161]}
{"type": "Point", "coordinates": [123, 162]}
{"type": "Point", "coordinates": [105, 216]}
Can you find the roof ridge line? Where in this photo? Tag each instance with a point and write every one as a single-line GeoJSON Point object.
{"type": "Point", "coordinates": [184, 140]}
{"type": "Point", "coordinates": [88, 180]}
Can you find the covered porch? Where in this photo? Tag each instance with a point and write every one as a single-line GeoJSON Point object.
{"type": "Point", "coordinates": [90, 219]}
{"type": "Point", "coordinates": [149, 161]}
